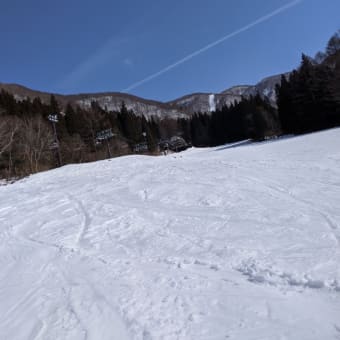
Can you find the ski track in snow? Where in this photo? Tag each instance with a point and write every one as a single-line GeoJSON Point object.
{"type": "Point", "coordinates": [210, 244]}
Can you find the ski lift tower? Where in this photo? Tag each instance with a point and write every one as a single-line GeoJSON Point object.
{"type": "Point", "coordinates": [53, 118]}
{"type": "Point", "coordinates": [105, 135]}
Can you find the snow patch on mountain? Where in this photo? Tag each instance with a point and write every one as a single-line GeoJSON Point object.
{"type": "Point", "coordinates": [212, 103]}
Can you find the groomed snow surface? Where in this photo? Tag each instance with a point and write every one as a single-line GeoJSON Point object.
{"type": "Point", "coordinates": [238, 242]}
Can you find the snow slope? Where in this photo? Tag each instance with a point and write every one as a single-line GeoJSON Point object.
{"type": "Point", "coordinates": [212, 103]}
{"type": "Point", "coordinates": [225, 243]}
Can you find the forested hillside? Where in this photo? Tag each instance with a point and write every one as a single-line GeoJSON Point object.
{"type": "Point", "coordinates": [309, 99]}
{"type": "Point", "coordinates": [27, 140]}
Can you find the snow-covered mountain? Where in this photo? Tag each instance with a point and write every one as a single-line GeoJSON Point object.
{"type": "Point", "coordinates": [111, 101]}
{"type": "Point", "coordinates": [206, 102]}
{"type": "Point", "coordinates": [237, 90]}
{"type": "Point", "coordinates": [179, 108]}
{"type": "Point", "coordinates": [236, 242]}
{"type": "Point", "coordinates": [140, 106]}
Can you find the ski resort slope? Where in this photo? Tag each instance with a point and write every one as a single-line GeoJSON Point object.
{"type": "Point", "coordinates": [237, 242]}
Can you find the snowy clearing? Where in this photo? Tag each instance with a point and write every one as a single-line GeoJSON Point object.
{"type": "Point", "coordinates": [221, 243]}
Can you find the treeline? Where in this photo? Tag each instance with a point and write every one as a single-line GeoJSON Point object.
{"type": "Point", "coordinates": [252, 118]}
{"type": "Point", "coordinates": [27, 136]}
{"type": "Point", "coordinates": [309, 99]}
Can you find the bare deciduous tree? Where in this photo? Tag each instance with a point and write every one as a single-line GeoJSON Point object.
{"type": "Point", "coordinates": [36, 139]}
{"type": "Point", "coordinates": [8, 129]}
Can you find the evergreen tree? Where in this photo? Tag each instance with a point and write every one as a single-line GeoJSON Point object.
{"type": "Point", "coordinates": [54, 105]}
{"type": "Point", "coordinates": [333, 45]}
{"type": "Point", "coordinates": [71, 120]}
{"type": "Point", "coordinates": [309, 100]}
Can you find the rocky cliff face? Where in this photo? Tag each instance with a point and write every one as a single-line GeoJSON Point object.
{"type": "Point", "coordinates": [180, 108]}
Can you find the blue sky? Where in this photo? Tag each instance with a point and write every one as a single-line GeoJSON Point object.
{"type": "Point", "coordinates": [77, 46]}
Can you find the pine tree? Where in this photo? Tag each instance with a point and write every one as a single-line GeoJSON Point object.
{"type": "Point", "coordinates": [54, 106]}
{"type": "Point", "coordinates": [71, 120]}
{"type": "Point", "coordinates": [333, 45]}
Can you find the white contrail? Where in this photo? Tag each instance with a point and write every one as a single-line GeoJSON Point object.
{"type": "Point", "coordinates": [213, 44]}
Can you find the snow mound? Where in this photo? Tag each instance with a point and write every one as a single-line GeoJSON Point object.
{"type": "Point", "coordinates": [260, 274]}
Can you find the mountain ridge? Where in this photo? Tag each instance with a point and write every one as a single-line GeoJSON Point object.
{"type": "Point", "coordinates": [182, 107]}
